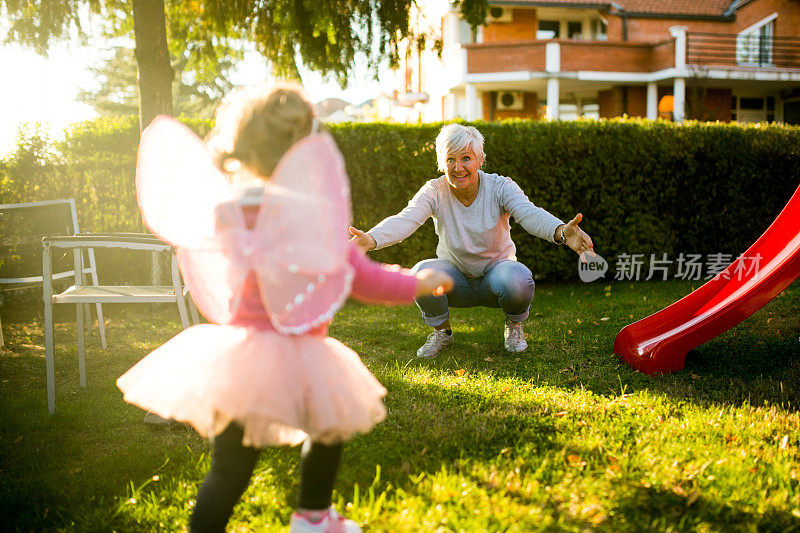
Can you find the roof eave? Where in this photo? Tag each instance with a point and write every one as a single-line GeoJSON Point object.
{"type": "Point", "coordinates": [728, 16]}
{"type": "Point", "coordinates": [682, 16]}
{"type": "Point", "coordinates": [565, 3]}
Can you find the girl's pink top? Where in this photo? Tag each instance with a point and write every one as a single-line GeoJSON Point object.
{"type": "Point", "coordinates": [373, 282]}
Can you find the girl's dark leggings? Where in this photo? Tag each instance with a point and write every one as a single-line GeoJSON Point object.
{"type": "Point", "coordinates": [232, 465]}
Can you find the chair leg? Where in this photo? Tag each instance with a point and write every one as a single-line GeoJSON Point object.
{"type": "Point", "coordinates": [182, 311]}
{"type": "Point", "coordinates": [193, 310]}
{"type": "Point", "coordinates": [179, 294]}
{"type": "Point", "coordinates": [79, 311]}
{"type": "Point", "coordinates": [100, 322]}
{"type": "Point", "coordinates": [2, 343]}
{"type": "Point", "coordinates": [49, 363]}
{"type": "Point", "coordinates": [101, 326]}
{"type": "Point", "coordinates": [87, 319]}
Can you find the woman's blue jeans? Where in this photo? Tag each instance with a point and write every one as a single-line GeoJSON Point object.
{"type": "Point", "coordinates": [508, 285]}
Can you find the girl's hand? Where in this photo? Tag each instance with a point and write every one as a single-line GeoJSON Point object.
{"type": "Point", "coordinates": [433, 282]}
{"type": "Point", "coordinates": [363, 240]}
{"type": "Point", "coordinates": [576, 238]}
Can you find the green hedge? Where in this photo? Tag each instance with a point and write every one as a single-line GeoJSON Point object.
{"type": "Point", "coordinates": [643, 187]}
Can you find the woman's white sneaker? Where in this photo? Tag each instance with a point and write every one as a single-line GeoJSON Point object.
{"type": "Point", "coordinates": [437, 341]}
{"type": "Point", "coordinates": [514, 337]}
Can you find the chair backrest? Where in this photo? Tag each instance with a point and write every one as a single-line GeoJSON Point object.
{"type": "Point", "coordinates": [22, 227]}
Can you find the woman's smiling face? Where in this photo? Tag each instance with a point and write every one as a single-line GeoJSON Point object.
{"type": "Point", "coordinates": [462, 169]}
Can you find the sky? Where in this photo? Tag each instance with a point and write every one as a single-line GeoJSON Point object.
{"type": "Point", "coordinates": [38, 89]}
{"type": "Point", "coordinates": [42, 90]}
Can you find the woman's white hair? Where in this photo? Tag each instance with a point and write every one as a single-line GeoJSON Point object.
{"type": "Point", "coordinates": [456, 137]}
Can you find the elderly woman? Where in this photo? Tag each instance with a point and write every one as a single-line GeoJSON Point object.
{"type": "Point", "coordinates": [471, 211]}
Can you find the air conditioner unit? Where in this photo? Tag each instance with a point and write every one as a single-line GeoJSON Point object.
{"type": "Point", "coordinates": [512, 101]}
{"type": "Point", "coordinates": [498, 14]}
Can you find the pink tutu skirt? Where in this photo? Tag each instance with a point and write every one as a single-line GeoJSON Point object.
{"type": "Point", "coordinates": [282, 389]}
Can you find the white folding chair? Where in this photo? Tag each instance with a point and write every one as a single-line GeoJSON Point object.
{"type": "Point", "coordinates": [81, 294]}
{"type": "Point", "coordinates": [22, 227]}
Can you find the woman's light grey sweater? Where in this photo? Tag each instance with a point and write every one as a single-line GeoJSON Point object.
{"type": "Point", "coordinates": [472, 238]}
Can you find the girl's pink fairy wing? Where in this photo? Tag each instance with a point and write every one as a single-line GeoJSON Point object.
{"type": "Point", "coordinates": [303, 273]}
{"type": "Point", "coordinates": [215, 272]}
{"type": "Point", "coordinates": [186, 201]}
{"type": "Point", "coordinates": [177, 184]}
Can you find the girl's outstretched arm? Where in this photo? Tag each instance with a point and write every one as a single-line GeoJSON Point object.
{"type": "Point", "coordinates": [378, 283]}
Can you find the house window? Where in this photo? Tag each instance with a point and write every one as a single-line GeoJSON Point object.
{"type": "Point", "coordinates": [754, 45]}
{"type": "Point", "coordinates": [548, 29]}
{"type": "Point", "coordinates": [753, 109]}
{"type": "Point", "coordinates": [578, 108]}
{"type": "Point", "coordinates": [567, 111]}
{"type": "Point", "coordinates": [750, 103]}
{"type": "Point", "coordinates": [599, 30]}
{"type": "Point", "coordinates": [590, 109]}
{"type": "Point", "coordinates": [574, 29]}
{"type": "Point", "coordinates": [454, 30]}
{"type": "Point", "coordinates": [791, 112]}
{"type": "Point", "coordinates": [466, 34]}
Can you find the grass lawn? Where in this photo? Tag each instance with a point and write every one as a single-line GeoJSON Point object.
{"type": "Point", "coordinates": [565, 437]}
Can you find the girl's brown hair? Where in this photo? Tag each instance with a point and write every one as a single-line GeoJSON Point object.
{"type": "Point", "coordinates": [255, 127]}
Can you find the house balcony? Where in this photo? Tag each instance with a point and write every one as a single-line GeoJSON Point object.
{"type": "Point", "coordinates": [581, 58]}
{"type": "Point", "coordinates": [579, 69]}
{"type": "Point", "coordinates": [717, 50]}
{"type": "Point", "coordinates": [574, 56]}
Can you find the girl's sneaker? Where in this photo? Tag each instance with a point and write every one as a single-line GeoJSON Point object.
{"type": "Point", "coordinates": [329, 522]}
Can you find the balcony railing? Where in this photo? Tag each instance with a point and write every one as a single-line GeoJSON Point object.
{"type": "Point", "coordinates": [515, 56]}
{"type": "Point", "coordinates": [702, 49]}
{"type": "Point", "coordinates": [742, 50]}
{"type": "Point", "coordinates": [603, 56]}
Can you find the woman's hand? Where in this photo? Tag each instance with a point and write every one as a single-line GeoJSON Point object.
{"type": "Point", "coordinates": [363, 240]}
{"type": "Point", "coordinates": [433, 282]}
{"type": "Point", "coordinates": [576, 238]}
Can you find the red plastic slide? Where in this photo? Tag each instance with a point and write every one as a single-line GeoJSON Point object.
{"type": "Point", "coordinates": [660, 342]}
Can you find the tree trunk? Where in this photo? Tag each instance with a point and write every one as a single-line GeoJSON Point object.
{"type": "Point", "coordinates": [152, 60]}
{"type": "Point", "coordinates": [154, 76]}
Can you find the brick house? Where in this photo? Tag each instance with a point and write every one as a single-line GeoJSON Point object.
{"type": "Point", "coordinates": [560, 59]}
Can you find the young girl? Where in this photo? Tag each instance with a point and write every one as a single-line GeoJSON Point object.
{"type": "Point", "coordinates": [260, 218]}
